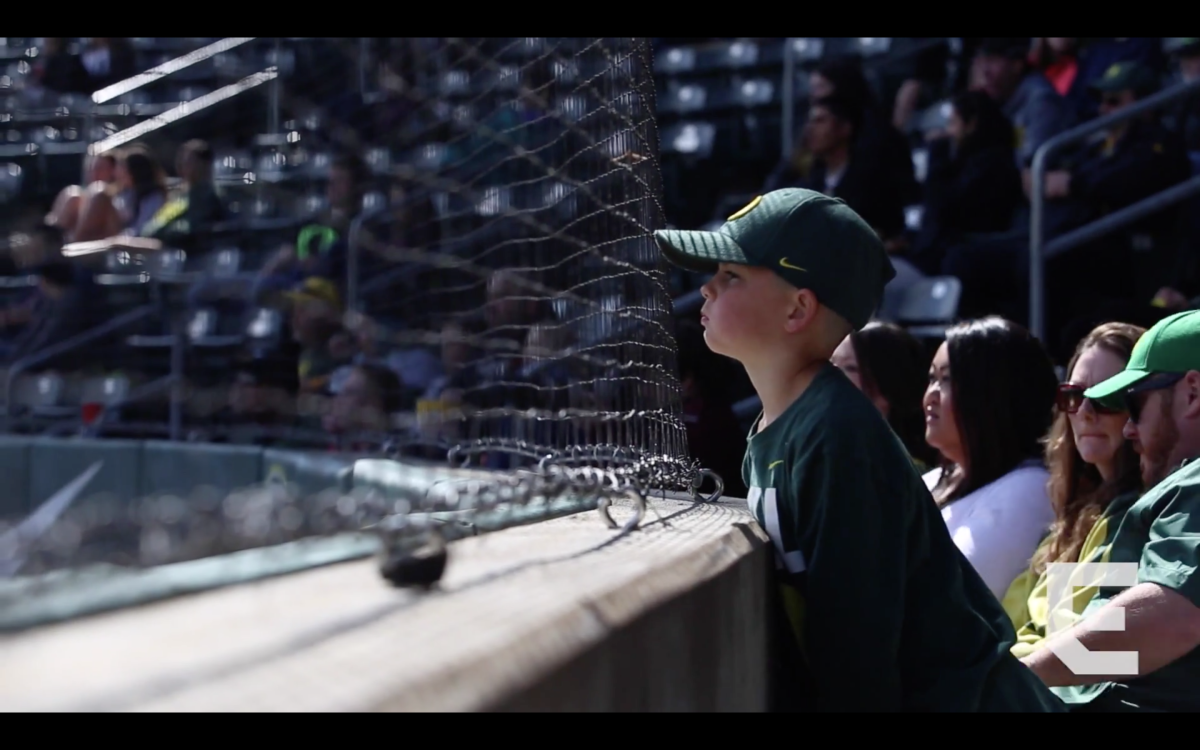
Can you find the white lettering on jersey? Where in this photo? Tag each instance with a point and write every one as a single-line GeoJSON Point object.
{"type": "Point", "coordinates": [765, 500]}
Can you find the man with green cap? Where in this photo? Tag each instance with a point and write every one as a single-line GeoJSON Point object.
{"type": "Point", "coordinates": [1158, 539]}
{"type": "Point", "coordinates": [880, 610]}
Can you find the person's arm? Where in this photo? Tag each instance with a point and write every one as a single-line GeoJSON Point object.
{"type": "Point", "coordinates": [852, 536]}
{"type": "Point", "coordinates": [1162, 612]}
{"type": "Point", "coordinates": [1160, 625]}
{"type": "Point", "coordinates": [1144, 168]}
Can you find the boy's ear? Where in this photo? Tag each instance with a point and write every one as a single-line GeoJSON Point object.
{"type": "Point", "coordinates": [802, 311]}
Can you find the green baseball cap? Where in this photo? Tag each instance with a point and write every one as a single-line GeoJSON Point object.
{"type": "Point", "coordinates": [1127, 76]}
{"type": "Point", "coordinates": [1171, 346]}
{"type": "Point", "coordinates": [812, 240]}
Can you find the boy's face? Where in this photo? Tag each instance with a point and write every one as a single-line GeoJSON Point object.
{"type": "Point", "coordinates": [745, 311]}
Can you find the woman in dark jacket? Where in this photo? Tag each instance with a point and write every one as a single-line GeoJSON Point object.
{"type": "Point", "coordinates": [973, 185]}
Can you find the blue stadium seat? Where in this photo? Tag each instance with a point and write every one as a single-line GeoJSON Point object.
{"type": "Point", "coordinates": [727, 56]}
{"type": "Point", "coordinates": [454, 83]}
{"type": "Point", "coordinates": [683, 99]}
{"type": "Point", "coordinates": [869, 47]}
{"type": "Point", "coordinates": [690, 139]}
{"type": "Point", "coordinates": [807, 49]}
{"type": "Point", "coordinates": [675, 61]}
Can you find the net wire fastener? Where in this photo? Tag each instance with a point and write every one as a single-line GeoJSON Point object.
{"type": "Point", "coordinates": [699, 481]}
{"type": "Point", "coordinates": [639, 510]}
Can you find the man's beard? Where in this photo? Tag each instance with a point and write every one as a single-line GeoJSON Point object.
{"type": "Point", "coordinates": [1156, 458]}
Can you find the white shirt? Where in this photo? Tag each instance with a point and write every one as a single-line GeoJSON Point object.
{"type": "Point", "coordinates": [998, 527]}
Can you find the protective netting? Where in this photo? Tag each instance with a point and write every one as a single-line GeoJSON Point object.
{"type": "Point", "coordinates": [433, 250]}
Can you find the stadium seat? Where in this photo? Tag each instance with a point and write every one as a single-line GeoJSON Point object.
{"type": "Point", "coordinates": [747, 94]}
{"type": "Point", "coordinates": [454, 83]}
{"type": "Point", "coordinates": [675, 61]}
{"type": "Point", "coordinates": [913, 216]}
{"type": "Point", "coordinates": [690, 139]}
{"type": "Point", "coordinates": [920, 160]}
{"type": "Point", "coordinates": [930, 306]}
{"type": "Point", "coordinates": [727, 56]}
{"type": "Point", "coordinates": [872, 46]}
{"type": "Point", "coordinates": [683, 99]}
{"type": "Point", "coordinates": [11, 176]}
{"type": "Point", "coordinates": [807, 49]}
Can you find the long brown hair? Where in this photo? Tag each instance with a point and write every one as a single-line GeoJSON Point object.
{"type": "Point", "coordinates": [1078, 493]}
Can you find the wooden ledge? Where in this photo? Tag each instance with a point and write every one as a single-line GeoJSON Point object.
{"type": "Point", "coordinates": [514, 607]}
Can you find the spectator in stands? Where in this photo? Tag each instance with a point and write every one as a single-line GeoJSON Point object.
{"type": "Point", "coordinates": [862, 183]}
{"type": "Point", "coordinates": [108, 61]}
{"type": "Point", "coordinates": [317, 327]}
{"type": "Point", "coordinates": [715, 436]}
{"type": "Point", "coordinates": [889, 365]}
{"type": "Point", "coordinates": [1184, 118]}
{"type": "Point", "coordinates": [989, 402]}
{"type": "Point", "coordinates": [142, 190]}
{"type": "Point", "coordinates": [1097, 55]}
{"type": "Point", "coordinates": [972, 185]}
{"type": "Point", "coordinates": [1094, 478]}
{"type": "Point", "coordinates": [58, 70]}
{"type": "Point", "coordinates": [321, 247]}
{"type": "Point", "coordinates": [934, 69]}
{"type": "Point", "coordinates": [875, 139]}
{"type": "Point", "coordinates": [61, 309]}
{"type": "Point", "coordinates": [1159, 533]}
{"type": "Point", "coordinates": [198, 207]}
{"type": "Point", "coordinates": [1057, 58]}
{"type": "Point", "coordinates": [364, 405]}
{"type": "Point", "coordinates": [461, 339]}
{"type": "Point", "coordinates": [1136, 159]}
{"type": "Point", "coordinates": [69, 204]}
{"type": "Point", "coordinates": [417, 367]}
{"type": "Point", "coordinates": [1029, 100]}
{"type": "Point", "coordinates": [410, 225]}
{"type": "Point", "coordinates": [261, 395]}
{"type": "Point", "coordinates": [461, 348]}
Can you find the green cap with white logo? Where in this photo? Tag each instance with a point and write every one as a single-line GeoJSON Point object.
{"type": "Point", "coordinates": [1171, 346]}
{"type": "Point", "coordinates": [812, 240]}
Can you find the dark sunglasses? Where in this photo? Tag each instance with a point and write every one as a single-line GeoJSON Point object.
{"type": "Point", "coordinates": [1134, 396]}
{"type": "Point", "coordinates": [1070, 400]}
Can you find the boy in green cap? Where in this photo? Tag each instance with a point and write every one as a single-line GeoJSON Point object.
{"type": "Point", "coordinates": [884, 613]}
{"type": "Point", "coordinates": [1159, 535]}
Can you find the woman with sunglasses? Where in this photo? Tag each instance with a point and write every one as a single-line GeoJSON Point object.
{"type": "Point", "coordinates": [1094, 477]}
{"type": "Point", "coordinates": [989, 403]}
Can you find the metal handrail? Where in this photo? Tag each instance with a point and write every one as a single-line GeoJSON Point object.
{"type": "Point", "coordinates": [78, 340]}
{"type": "Point", "coordinates": [157, 73]}
{"type": "Point", "coordinates": [1037, 254]}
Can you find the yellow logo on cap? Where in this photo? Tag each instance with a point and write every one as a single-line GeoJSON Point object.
{"type": "Point", "coordinates": [783, 262]}
{"type": "Point", "coordinates": [749, 207]}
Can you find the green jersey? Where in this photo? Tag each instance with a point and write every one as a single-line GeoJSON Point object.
{"type": "Point", "coordinates": [884, 612]}
{"type": "Point", "coordinates": [1161, 534]}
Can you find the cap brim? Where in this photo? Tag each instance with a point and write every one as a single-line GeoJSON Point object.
{"type": "Point", "coordinates": [697, 250]}
{"type": "Point", "coordinates": [1109, 392]}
